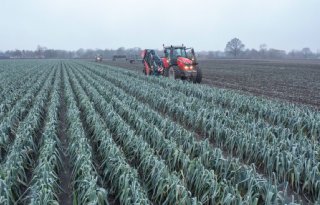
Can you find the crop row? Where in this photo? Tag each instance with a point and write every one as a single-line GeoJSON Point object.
{"type": "Point", "coordinates": [84, 176]}
{"type": "Point", "coordinates": [298, 165]}
{"type": "Point", "coordinates": [145, 120]}
{"type": "Point", "coordinates": [165, 187]}
{"type": "Point", "coordinates": [21, 154]}
{"type": "Point", "coordinates": [17, 92]}
{"type": "Point", "coordinates": [44, 183]}
{"type": "Point", "coordinates": [122, 178]}
{"type": "Point", "coordinates": [296, 118]}
{"type": "Point", "coordinates": [18, 112]}
{"type": "Point", "coordinates": [174, 156]}
{"type": "Point", "coordinates": [145, 140]}
{"type": "Point", "coordinates": [14, 76]}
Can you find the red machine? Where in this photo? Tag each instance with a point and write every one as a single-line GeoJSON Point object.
{"type": "Point", "coordinates": [181, 63]}
{"type": "Point", "coordinates": [152, 63]}
{"type": "Point", "coordinates": [178, 62]}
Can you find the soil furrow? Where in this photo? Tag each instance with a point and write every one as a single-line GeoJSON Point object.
{"type": "Point", "coordinates": [65, 174]}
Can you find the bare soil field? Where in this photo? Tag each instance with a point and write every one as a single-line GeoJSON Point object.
{"type": "Point", "coordinates": [296, 81]}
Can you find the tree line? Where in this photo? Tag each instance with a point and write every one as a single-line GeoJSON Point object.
{"type": "Point", "coordinates": [234, 49]}
{"type": "Point", "coordinates": [47, 53]}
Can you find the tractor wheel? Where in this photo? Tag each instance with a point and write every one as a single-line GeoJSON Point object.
{"type": "Point", "coordinates": [198, 77]}
{"type": "Point", "coordinates": [173, 72]}
{"type": "Point", "coordinates": [166, 72]}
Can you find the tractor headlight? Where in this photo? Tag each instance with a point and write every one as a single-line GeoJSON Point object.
{"type": "Point", "coordinates": [186, 67]}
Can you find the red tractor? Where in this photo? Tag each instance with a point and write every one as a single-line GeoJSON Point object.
{"type": "Point", "coordinates": [178, 62]}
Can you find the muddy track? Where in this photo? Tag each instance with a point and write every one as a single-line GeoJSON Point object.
{"type": "Point", "coordinates": [65, 174]}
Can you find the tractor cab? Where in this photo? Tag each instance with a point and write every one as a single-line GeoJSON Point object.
{"type": "Point", "coordinates": [174, 53]}
{"type": "Point", "coordinates": [180, 62]}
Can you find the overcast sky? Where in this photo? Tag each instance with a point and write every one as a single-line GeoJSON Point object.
{"type": "Point", "coordinates": [203, 24]}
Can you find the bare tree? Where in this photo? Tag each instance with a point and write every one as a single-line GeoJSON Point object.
{"type": "Point", "coordinates": [121, 51]}
{"type": "Point", "coordinates": [234, 47]}
{"type": "Point", "coordinates": [263, 50]}
{"type": "Point", "coordinates": [276, 53]}
{"type": "Point", "coordinates": [306, 52]}
{"type": "Point", "coordinates": [40, 51]}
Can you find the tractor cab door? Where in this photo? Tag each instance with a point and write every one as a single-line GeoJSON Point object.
{"type": "Point", "coordinates": [191, 55]}
{"type": "Point", "coordinates": [169, 55]}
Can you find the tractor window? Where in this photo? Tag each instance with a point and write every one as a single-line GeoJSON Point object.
{"type": "Point", "coordinates": [189, 54]}
{"type": "Point", "coordinates": [167, 53]}
{"type": "Point", "coordinates": [179, 52]}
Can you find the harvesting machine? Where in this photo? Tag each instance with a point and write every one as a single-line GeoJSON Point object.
{"type": "Point", "coordinates": [152, 63]}
{"type": "Point", "coordinates": [179, 62]}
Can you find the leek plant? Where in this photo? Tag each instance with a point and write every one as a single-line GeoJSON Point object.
{"type": "Point", "coordinates": [231, 132]}
{"type": "Point", "coordinates": [11, 121]}
{"type": "Point", "coordinates": [296, 118]}
{"type": "Point", "coordinates": [20, 89]}
{"type": "Point", "coordinates": [117, 172]}
{"type": "Point", "coordinates": [19, 159]}
{"type": "Point", "coordinates": [44, 183]}
{"type": "Point", "coordinates": [166, 187]}
{"type": "Point", "coordinates": [169, 149]}
{"type": "Point", "coordinates": [85, 188]}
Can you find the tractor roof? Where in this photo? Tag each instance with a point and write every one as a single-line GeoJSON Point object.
{"type": "Point", "coordinates": [174, 46]}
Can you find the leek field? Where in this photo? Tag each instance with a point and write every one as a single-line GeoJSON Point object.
{"type": "Point", "coordinates": [78, 132]}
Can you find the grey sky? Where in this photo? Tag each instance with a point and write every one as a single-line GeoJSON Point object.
{"type": "Point", "coordinates": [203, 24]}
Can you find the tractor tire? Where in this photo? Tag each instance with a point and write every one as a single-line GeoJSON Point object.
{"type": "Point", "coordinates": [166, 72]}
{"type": "Point", "coordinates": [173, 72]}
{"type": "Point", "coordinates": [198, 77]}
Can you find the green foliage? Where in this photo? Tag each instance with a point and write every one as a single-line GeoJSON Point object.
{"type": "Point", "coordinates": [24, 146]}
{"type": "Point", "coordinates": [149, 140]}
